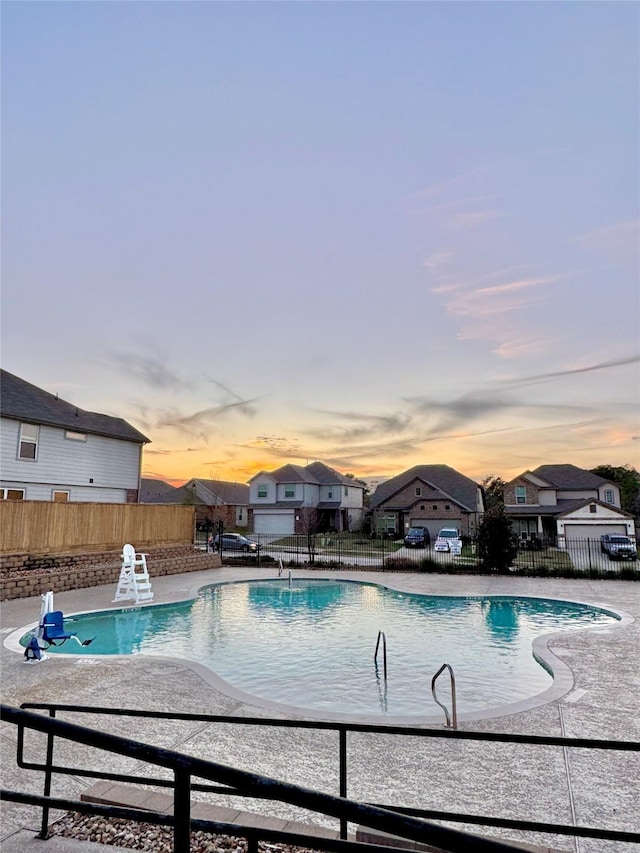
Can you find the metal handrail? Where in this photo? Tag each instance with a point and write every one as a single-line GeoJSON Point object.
{"type": "Point", "coordinates": [145, 753]}
{"type": "Point", "coordinates": [384, 652]}
{"type": "Point", "coordinates": [185, 767]}
{"type": "Point", "coordinates": [454, 712]}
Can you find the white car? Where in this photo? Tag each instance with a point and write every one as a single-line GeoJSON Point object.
{"type": "Point", "coordinates": [448, 540]}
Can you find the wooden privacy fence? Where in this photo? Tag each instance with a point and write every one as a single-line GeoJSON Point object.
{"type": "Point", "coordinates": [43, 527]}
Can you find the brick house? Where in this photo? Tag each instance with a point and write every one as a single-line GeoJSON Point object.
{"type": "Point", "coordinates": [431, 496]}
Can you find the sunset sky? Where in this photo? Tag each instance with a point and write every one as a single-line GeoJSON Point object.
{"type": "Point", "coordinates": [374, 234]}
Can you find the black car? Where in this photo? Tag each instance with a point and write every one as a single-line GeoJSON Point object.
{"type": "Point", "coordinates": [417, 537]}
{"type": "Point", "coordinates": [235, 542]}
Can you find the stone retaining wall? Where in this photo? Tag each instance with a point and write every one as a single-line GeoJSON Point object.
{"type": "Point", "coordinates": [24, 575]}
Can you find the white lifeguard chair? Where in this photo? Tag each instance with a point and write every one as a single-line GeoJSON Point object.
{"type": "Point", "coordinates": [134, 580]}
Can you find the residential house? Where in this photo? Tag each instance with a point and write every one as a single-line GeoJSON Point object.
{"type": "Point", "coordinates": [288, 499]}
{"type": "Point", "coordinates": [431, 496]}
{"type": "Point", "coordinates": [51, 450]}
{"type": "Point", "coordinates": [563, 502]}
{"type": "Point", "coordinates": [214, 500]}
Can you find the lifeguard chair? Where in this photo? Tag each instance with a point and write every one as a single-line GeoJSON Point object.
{"type": "Point", "coordinates": [134, 580]}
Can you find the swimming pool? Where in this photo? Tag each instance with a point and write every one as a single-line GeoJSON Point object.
{"type": "Point", "coordinates": [311, 644]}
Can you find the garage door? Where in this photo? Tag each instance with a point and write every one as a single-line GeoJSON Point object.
{"type": "Point", "coordinates": [591, 531]}
{"type": "Point", "coordinates": [273, 522]}
{"type": "Point", "coordinates": [432, 525]}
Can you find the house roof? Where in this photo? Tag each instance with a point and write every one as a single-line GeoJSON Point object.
{"type": "Point", "coordinates": [542, 509]}
{"type": "Point", "coordinates": [25, 402]}
{"type": "Point", "coordinates": [156, 491]}
{"type": "Point", "coordinates": [317, 473]}
{"type": "Point", "coordinates": [329, 476]}
{"type": "Point", "coordinates": [234, 494]}
{"type": "Point", "coordinates": [568, 477]}
{"type": "Point", "coordinates": [561, 508]}
{"type": "Point", "coordinates": [448, 481]}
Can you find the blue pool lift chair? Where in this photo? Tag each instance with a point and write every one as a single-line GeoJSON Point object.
{"type": "Point", "coordinates": [54, 633]}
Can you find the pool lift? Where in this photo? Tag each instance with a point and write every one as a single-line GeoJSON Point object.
{"type": "Point", "coordinates": [50, 632]}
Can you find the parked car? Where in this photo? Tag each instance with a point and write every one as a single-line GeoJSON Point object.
{"type": "Point", "coordinates": [448, 540]}
{"type": "Point", "coordinates": [618, 547]}
{"type": "Point", "coordinates": [235, 542]}
{"type": "Point", "coordinates": [417, 537]}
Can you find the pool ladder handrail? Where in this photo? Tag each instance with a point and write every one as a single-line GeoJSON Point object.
{"type": "Point", "coordinates": [451, 720]}
{"type": "Point", "coordinates": [384, 652]}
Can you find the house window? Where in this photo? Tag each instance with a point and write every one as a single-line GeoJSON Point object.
{"type": "Point", "coordinates": [239, 513]}
{"type": "Point", "coordinates": [418, 491]}
{"type": "Point", "coordinates": [289, 491]}
{"type": "Point", "coordinates": [60, 497]}
{"type": "Point", "coordinates": [262, 491]}
{"type": "Point", "coordinates": [435, 506]}
{"type": "Point", "coordinates": [447, 506]}
{"type": "Point", "coordinates": [75, 436]}
{"type": "Point", "coordinates": [421, 506]}
{"type": "Point", "coordinates": [28, 441]}
{"type": "Point", "coordinates": [330, 494]}
{"type": "Point", "coordinates": [521, 494]}
{"type": "Point", "coordinates": [608, 496]}
{"type": "Point", "coordinates": [346, 490]}
{"type": "Point", "coordinates": [12, 494]}
{"type": "Point", "coordinates": [593, 508]}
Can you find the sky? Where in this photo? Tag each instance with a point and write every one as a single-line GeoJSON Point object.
{"type": "Point", "coordinates": [374, 234]}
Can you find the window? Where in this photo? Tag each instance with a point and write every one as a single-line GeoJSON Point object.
{"type": "Point", "coordinates": [447, 506]}
{"type": "Point", "coordinates": [28, 441]}
{"type": "Point", "coordinates": [12, 494]}
{"type": "Point", "coordinates": [418, 491]}
{"type": "Point", "coordinates": [421, 506]}
{"type": "Point", "coordinates": [75, 436]}
{"type": "Point", "coordinates": [262, 491]}
{"type": "Point", "coordinates": [608, 496]}
{"type": "Point", "coordinates": [289, 491]}
{"type": "Point", "coordinates": [521, 494]}
{"type": "Point", "coordinates": [60, 497]}
{"type": "Point", "coordinates": [435, 506]}
{"type": "Point", "coordinates": [593, 508]}
{"type": "Point", "coordinates": [239, 513]}
{"type": "Point", "coordinates": [346, 490]}
{"type": "Point", "coordinates": [330, 494]}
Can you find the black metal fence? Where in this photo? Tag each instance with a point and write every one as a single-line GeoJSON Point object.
{"type": "Point", "coordinates": [405, 823]}
{"type": "Point", "coordinates": [543, 558]}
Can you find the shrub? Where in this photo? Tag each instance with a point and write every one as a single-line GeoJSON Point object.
{"type": "Point", "coordinates": [497, 541]}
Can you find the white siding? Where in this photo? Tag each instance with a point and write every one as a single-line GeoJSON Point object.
{"type": "Point", "coordinates": [547, 497]}
{"type": "Point", "coordinates": [353, 498]}
{"type": "Point", "coordinates": [616, 493]}
{"type": "Point", "coordinates": [271, 490]}
{"type": "Point", "coordinates": [112, 464]}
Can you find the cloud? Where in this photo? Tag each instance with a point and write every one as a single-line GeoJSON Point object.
{"type": "Point", "coordinates": [473, 218]}
{"type": "Point", "coordinates": [437, 260]}
{"type": "Point", "coordinates": [149, 371]}
{"type": "Point", "coordinates": [618, 239]}
{"type": "Point", "coordinates": [557, 374]}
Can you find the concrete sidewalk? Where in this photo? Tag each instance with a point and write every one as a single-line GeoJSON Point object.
{"type": "Point", "coordinates": [600, 700]}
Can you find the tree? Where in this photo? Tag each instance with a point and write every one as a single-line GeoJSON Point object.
{"type": "Point", "coordinates": [309, 525]}
{"type": "Point", "coordinates": [628, 479]}
{"type": "Point", "coordinates": [497, 541]}
{"type": "Point", "coordinates": [493, 489]}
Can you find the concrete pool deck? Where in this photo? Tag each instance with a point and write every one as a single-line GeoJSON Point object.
{"type": "Point", "coordinates": [600, 698]}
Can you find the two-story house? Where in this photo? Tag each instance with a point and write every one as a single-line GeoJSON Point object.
{"type": "Point", "coordinates": [557, 503]}
{"type": "Point", "coordinates": [51, 450]}
{"type": "Point", "coordinates": [283, 500]}
{"type": "Point", "coordinates": [431, 496]}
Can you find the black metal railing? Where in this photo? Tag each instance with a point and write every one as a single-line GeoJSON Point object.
{"type": "Point", "coordinates": [407, 823]}
{"type": "Point", "coordinates": [537, 556]}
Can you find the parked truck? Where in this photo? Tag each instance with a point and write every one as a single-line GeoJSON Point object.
{"type": "Point", "coordinates": [618, 547]}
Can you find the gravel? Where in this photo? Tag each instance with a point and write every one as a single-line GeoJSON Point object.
{"type": "Point", "coordinates": [147, 836]}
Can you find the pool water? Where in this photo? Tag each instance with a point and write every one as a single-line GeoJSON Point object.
{"type": "Point", "coordinates": [311, 644]}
